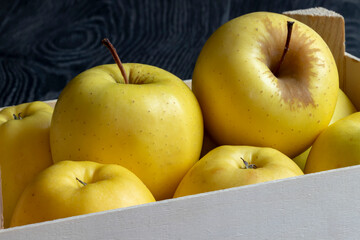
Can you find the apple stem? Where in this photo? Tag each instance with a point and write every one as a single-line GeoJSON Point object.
{"type": "Point", "coordinates": [108, 44]}
{"type": "Point", "coordinates": [289, 28]}
{"type": "Point", "coordinates": [18, 117]}
{"type": "Point", "coordinates": [248, 166]}
{"type": "Point", "coordinates": [83, 183]}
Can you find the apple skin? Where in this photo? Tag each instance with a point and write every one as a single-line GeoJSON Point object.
{"type": "Point", "coordinates": [344, 107]}
{"type": "Point", "coordinates": [153, 126]}
{"type": "Point", "coordinates": [337, 146]}
{"type": "Point", "coordinates": [244, 103]}
{"type": "Point", "coordinates": [223, 168]}
{"type": "Point", "coordinates": [56, 193]}
{"type": "Point", "coordinates": [24, 149]}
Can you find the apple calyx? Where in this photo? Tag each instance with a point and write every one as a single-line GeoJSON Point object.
{"type": "Point", "coordinates": [108, 44]}
{"type": "Point", "coordinates": [82, 182]}
{"type": "Point", "coordinates": [286, 48]}
{"type": "Point", "coordinates": [18, 117]}
{"type": "Point", "coordinates": [248, 166]}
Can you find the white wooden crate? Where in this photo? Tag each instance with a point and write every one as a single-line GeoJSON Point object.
{"type": "Point", "coordinates": [324, 205]}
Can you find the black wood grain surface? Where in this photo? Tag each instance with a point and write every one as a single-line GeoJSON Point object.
{"type": "Point", "coordinates": [44, 44]}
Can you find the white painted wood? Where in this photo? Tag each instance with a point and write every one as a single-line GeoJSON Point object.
{"type": "Point", "coordinates": [323, 205]}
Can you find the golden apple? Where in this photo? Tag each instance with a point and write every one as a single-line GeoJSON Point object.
{"type": "Point", "coordinates": [24, 149]}
{"type": "Point", "coordinates": [344, 107]}
{"type": "Point", "coordinates": [337, 146]}
{"type": "Point", "coordinates": [233, 166]}
{"type": "Point", "coordinates": [264, 79]}
{"type": "Point", "coordinates": [151, 125]}
{"type": "Point", "coordinates": [70, 188]}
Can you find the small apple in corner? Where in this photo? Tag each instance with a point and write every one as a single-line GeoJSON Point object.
{"type": "Point", "coordinates": [24, 149]}
{"type": "Point", "coordinates": [344, 107]}
{"type": "Point", "coordinates": [337, 146]}
{"type": "Point", "coordinates": [234, 166]}
{"type": "Point", "coordinates": [70, 188]}
{"type": "Point", "coordinates": [264, 79]}
{"type": "Point", "coordinates": [135, 115]}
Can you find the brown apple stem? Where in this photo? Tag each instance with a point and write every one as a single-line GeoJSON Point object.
{"type": "Point", "coordinates": [108, 44]}
{"type": "Point", "coordinates": [248, 166]}
{"type": "Point", "coordinates": [18, 117]}
{"type": "Point", "coordinates": [83, 183]}
{"type": "Point", "coordinates": [289, 28]}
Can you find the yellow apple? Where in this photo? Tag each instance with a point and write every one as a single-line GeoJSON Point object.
{"type": "Point", "coordinates": [24, 149]}
{"type": "Point", "coordinates": [254, 92]}
{"type": "Point", "coordinates": [233, 166]}
{"type": "Point", "coordinates": [337, 146]}
{"type": "Point", "coordinates": [344, 107]}
{"type": "Point", "coordinates": [70, 188]}
{"type": "Point", "coordinates": [151, 125]}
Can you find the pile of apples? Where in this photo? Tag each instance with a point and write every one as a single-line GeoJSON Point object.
{"type": "Point", "coordinates": [265, 91]}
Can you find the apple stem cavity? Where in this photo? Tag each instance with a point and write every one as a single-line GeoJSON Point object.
{"type": "Point", "coordinates": [18, 117]}
{"type": "Point", "coordinates": [248, 166]}
{"type": "Point", "coordinates": [83, 183]}
{"type": "Point", "coordinates": [108, 44]}
{"type": "Point", "coordinates": [286, 48]}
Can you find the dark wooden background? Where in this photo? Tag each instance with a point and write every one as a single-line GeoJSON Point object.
{"type": "Point", "coordinates": [45, 43]}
